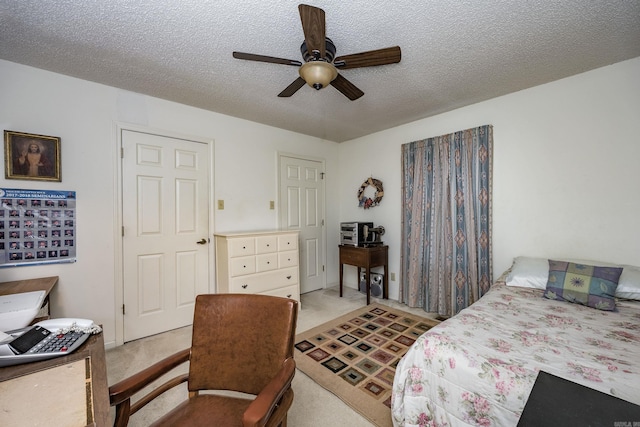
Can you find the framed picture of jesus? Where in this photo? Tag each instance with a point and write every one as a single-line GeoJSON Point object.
{"type": "Point", "coordinates": [32, 157]}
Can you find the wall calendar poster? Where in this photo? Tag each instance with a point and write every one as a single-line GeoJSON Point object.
{"type": "Point", "coordinates": [37, 227]}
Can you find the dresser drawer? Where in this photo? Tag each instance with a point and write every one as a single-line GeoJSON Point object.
{"type": "Point", "coordinates": [242, 246]}
{"type": "Point", "coordinates": [262, 282]}
{"type": "Point", "coordinates": [286, 292]}
{"type": "Point", "coordinates": [288, 242]}
{"type": "Point", "coordinates": [287, 259]}
{"type": "Point", "coordinates": [266, 262]}
{"type": "Point", "coordinates": [243, 265]}
{"type": "Point", "coordinates": [266, 244]}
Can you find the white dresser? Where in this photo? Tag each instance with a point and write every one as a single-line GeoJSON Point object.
{"type": "Point", "coordinates": [258, 263]}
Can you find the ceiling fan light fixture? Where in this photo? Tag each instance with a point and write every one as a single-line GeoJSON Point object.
{"type": "Point", "coordinates": [318, 74]}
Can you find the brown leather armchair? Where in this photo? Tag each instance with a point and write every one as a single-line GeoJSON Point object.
{"type": "Point", "coordinates": [240, 342]}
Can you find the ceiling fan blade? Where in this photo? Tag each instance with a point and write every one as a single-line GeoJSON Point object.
{"type": "Point", "coordinates": [313, 25]}
{"type": "Point", "coordinates": [347, 88]}
{"type": "Point", "coordinates": [389, 55]}
{"type": "Point", "coordinates": [292, 88]}
{"type": "Point", "coordinates": [263, 58]}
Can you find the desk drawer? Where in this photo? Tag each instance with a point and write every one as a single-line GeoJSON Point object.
{"type": "Point", "coordinates": [353, 256]}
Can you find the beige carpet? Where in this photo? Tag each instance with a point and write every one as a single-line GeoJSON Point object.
{"type": "Point", "coordinates": [355, 355]}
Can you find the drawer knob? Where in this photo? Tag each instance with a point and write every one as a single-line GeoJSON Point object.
{"type": "Point", "coordinates": [288, 277]}
{"type": "Point", "coordinates": [244, 286]}
{"type": "Point", "coordinates": [268, 262]}
{"type": "Point", "coordinates": [289, 296]}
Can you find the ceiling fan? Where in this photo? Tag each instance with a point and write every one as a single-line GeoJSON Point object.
{"type": "Point", "coordinates": [320, 66]}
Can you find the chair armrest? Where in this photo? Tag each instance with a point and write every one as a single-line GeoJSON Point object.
{"type": "Point", "coordinates": [263, 405]}
{"type": "Point", "coordinates": [123, 390]}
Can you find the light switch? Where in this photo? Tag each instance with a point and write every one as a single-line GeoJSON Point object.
{"type": "Point", "coordinates": [393, 277]}
{"type": "Point", "coordinates": [272, 205]}
{"type": "Point", "coordinates": [220, 204]}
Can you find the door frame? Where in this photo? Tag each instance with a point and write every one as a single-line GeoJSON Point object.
{"type": "Point", "coordinates": [118, 206]}
{"type": "Point", "coordinates": [323, 249]}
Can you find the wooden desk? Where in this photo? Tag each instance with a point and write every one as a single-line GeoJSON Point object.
{"type": "Point", "coordinates": [92, 353]}
{"type": "Point", "coordinates": [367, 258]}
{"type": "Point", "coordinates": [30, 285]}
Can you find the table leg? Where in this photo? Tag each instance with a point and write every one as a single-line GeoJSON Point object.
{"type": "Point", "coordinates": [341, 265]}
{"type": "Point", "coordinates": [385, 281]}
{"type": "Point", "coordinates": [367, 274]}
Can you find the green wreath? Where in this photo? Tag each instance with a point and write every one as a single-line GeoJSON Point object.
{"type": "Point", "coordinates": [368, 202]}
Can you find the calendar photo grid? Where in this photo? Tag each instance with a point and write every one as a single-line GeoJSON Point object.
{"type": "Point", "coordinates": [37, 227]}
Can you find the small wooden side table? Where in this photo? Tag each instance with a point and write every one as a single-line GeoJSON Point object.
{"type": "Point", "coordinates": [366, 257]}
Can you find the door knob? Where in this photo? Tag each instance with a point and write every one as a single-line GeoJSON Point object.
{"type": "Point", "coordinates": [202, 242]}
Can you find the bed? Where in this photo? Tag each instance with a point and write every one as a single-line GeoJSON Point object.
{"type": "Point", "coordinates": [478, 367]}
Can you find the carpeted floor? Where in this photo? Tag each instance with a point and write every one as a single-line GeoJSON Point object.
{"type": "Point", "coordinates": [355, 356]}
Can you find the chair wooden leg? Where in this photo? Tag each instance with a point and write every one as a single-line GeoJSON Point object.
{"type": "Point", "coordinates": [123, 411]}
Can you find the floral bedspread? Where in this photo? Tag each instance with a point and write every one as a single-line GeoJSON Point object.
{"type": "Point", "coordinates": [479, 367]}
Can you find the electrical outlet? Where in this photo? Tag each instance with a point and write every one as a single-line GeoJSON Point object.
{"type": "Point", "coordinates": [272, 205]}
{"type": "Point", "coordinates": [393, 277]}
{"type": "Point", "coordinates": [220, 204]}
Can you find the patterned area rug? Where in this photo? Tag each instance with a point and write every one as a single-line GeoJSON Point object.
{"type": "Point", "coordinates": [355, 356]}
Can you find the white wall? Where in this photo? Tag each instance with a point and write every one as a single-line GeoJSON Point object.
{"type": "Point", "coordinates": [566, 179]}
{"type": "Point", "coordinates": [84, 115]}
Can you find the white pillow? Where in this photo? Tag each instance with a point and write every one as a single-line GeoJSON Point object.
{"type": "Point", "coordinates": [629, 283]}
{"type": "Point", "coordinates": [530, 272]}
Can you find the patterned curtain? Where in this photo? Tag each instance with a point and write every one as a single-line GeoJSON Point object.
{"type": "Point", "coordinates": [445, 261]}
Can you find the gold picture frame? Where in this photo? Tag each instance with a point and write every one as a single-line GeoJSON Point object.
{"type": "Point", "coordinates": [31, 157]}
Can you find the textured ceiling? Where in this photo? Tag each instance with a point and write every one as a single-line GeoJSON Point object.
{"type": "Point", "coordinates": [454, 52]}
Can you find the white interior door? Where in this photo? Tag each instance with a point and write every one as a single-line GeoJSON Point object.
{"type": "Point", "coordinates": [165, 202]}
{"type": "Point", "coordinates": [302, 208]}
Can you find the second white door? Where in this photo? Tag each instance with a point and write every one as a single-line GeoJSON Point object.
{"type": "Point", "coordinates": [302, 208]}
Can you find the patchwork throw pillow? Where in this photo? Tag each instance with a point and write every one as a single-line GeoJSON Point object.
{"type": "Point", "coordinates": [583, 284]}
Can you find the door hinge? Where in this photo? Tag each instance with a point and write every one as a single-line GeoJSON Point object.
{"type": "Point", "coordinates": [123, 312]}
{"type": "Point", "coordinates": [122, 152]}
{"type": "Point", "coordinates": [322, 223]}
{"type": "Point", "coordinates": [321, 175]}
{"type": "Point", "coordinates": [323, 268]}
{"type": "Point", "coordinates": [123, 231]}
